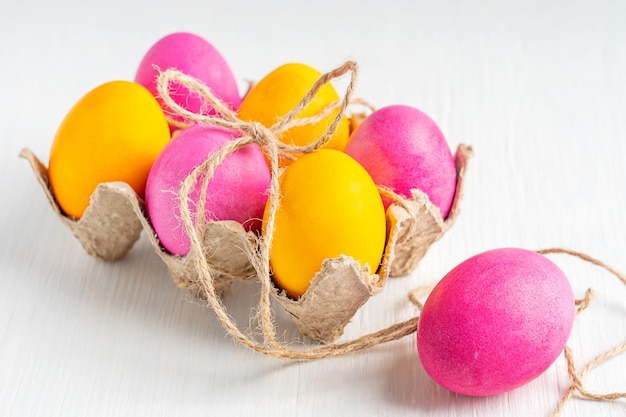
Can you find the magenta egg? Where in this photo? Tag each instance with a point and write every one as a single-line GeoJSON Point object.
{"type": "Point", "coordinates": [495, 322]}
{"type": "Point", "coordinates": [237, 190]}
{"type": "Point", "coordinates": [192, 55]}
{"type": "Point", "coordinates": [403, 149]}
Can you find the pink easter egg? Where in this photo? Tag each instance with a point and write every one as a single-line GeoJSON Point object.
{"type": "Point", "coordinates": [495, 322]}
{"type": "Point", "coordinates": [237, 190]}
{"type": "Point", "coordinates": [403, 149]}
{"type": "Point", "coordinates": [192, 55]}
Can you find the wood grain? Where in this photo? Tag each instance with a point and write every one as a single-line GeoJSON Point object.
{"type": "Point", "coordinates": [537, 88]}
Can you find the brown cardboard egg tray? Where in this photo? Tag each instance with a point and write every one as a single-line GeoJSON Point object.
{"type": "Point", "coordinates": [116, 216]}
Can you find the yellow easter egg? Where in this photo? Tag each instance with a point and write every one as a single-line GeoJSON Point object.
{"type": "Point", "coordinates": [329, 207]}
{"type": "Point", "coordinates": [280, 91]}
{"type": "Point", "coordinates": [114, 133]}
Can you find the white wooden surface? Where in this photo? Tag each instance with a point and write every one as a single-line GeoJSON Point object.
{"type": "Point", "coordinates": [537, 87]}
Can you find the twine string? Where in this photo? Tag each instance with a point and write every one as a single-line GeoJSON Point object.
{"type": "Point", "coordinates": [576, 376]}
{"type": "Point", "coordinates": [290, 118]}
{"type": "Point", "coordinates": [583, 303]}
{"type": "Point", "coordinates": [261, 262]}
{"type": "Point", "coordinates": [358, 101]}
{"type": "Point", "coordinates": [416, 293]}
{"type": "Point", "coordinates": [267, 139]}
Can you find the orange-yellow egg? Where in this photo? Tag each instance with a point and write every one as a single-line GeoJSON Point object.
{"type": "Point", "coordinates": [280, 91]}
{"type": "Point", "coordinates": [329, 207]}
{"type": "Point", "coordinates": [114, 133]}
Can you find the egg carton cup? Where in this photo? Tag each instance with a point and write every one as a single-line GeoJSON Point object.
{"type": "Point", "coordinates": [335, 294]}
{"type": "Point", "coordinates": [113, 222]}
{"type": "Point", "coordinates": [418, 222]}
{"type": "Point", "coordinates": [116, 216]}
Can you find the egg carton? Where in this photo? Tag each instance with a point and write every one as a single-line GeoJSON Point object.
{"type": "Point", "coordinates": [116, 215]}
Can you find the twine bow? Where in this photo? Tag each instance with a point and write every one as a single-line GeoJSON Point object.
{"type": "Point", "coordinates": [267, 139]}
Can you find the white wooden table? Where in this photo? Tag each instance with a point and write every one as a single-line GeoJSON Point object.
{"type": "Point", "coordinates": [537, 88]}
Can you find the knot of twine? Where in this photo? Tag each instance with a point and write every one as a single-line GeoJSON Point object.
{"type": "Point", "coordinates": [267, 139]}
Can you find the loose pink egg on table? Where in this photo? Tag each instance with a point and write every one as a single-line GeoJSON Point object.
{"type": "Point", "coordinates": [192, 55]}
{"type": "Point", "coordinates": [237, 191]}
{"type": "Point", "coordinates": [403, 149]}
{"type": "Point", "coordinates": [495, 322]}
